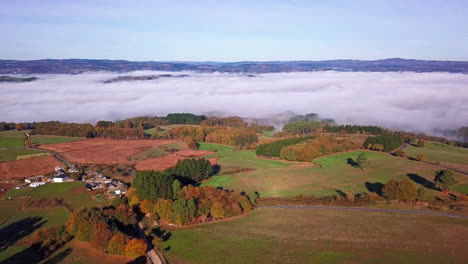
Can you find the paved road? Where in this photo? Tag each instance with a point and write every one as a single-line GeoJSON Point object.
{"type": "Point", "coordinates": [57, 156]}
{"type": "Point", "coordinates": [152, 255]}
{"type": "Point", "coordinates": [363, 209]}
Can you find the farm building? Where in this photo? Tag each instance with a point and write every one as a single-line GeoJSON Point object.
{"type": "Point", "coordinates": [34, 179]}
{"type": "Point", "coordinates": [36, 184]}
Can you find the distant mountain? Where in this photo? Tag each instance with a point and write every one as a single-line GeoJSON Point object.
{"type": "Point", "coordinates": [75, 66]}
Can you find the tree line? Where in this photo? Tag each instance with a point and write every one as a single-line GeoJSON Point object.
{"type": "Point", "coordinates": [317, 147]}
{"type": "Point", "coordinates": [241, 138]}
{"type": "Point", "coordinates": [273, 149]}
{"type": "Point", "coordinates": [389, 142]}
{"type": "Point", "coordinates": [354, 129]}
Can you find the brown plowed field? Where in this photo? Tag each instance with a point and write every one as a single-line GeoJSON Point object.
{"type": "Point", "coordinates": [28, 167]}
{"type": "Point", "coordinates": [102, 151]}
{"type": "Point", "coordinates": [167, 161]}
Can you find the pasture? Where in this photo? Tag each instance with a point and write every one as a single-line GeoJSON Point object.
{"type": "Point", "coordinates": [336, 173]}
{"type": "Point", "coordinates": [12, 145]}
{"type": "Point", "coordinates": [73, 193]}
{"type": "Point", "coordinates": [277, 235]}
{"type": "Point", "coordinates": [446, 155]}
{"type": "Point", "coordinates": [148, 153]}
{"type": "Point", "coordinates": [46, 139]}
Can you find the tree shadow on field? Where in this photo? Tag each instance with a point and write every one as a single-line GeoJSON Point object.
{"type": "Point", "coordinates": [18, 230]}
{"type": "Point", "coordinates": [422, 181]}
{"type": "Point", "coordinates": [352, 162]}
{"type": "Point", "coordinates": [164, 235]}
{"type": "Point", "coordinates": [375, 187]}
{"type": "Point", "coordinates": [139, 260]}
{"type": "Point", "coordinates": [31, 255]}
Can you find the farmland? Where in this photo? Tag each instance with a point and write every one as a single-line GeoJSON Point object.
{"type": "Point", "coordinates": [271, 235]}
{"type": "Point", "coordinates": [103, 151]}
{"type": "Point", "coordinates": [28, 167]}
{"type": "Point", "coordinates": [73, 193]}
{"type": "Point", "coordinates": [277, 179]}
{"type": "Point", "coordinates": [45, 139]}
{"type": "Point", "coordinates": [435, 152]}
{"type": "Point", "coordinates": [12, 145]}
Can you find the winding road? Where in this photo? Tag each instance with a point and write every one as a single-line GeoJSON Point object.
{"type": "Point", "coordinates": [364, 209]}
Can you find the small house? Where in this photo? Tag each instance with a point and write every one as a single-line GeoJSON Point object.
{"type": "Point", "coordinates": [61, 178]}
{"type": "Point", "coordinates": [34, 179]}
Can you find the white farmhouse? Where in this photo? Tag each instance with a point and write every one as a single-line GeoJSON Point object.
{"type": "Point", "coordinates": [61, 178]}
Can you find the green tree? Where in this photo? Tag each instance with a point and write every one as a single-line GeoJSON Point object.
{"type": "Point", "coordinates": [362, 161]}
{"type": "Point", "coordinates": [444, 179]}
{"type": "Point", "coordinates": [151, 185]}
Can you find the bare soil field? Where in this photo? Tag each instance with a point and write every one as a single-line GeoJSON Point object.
{"type": "Point", "coordinates": [28, 167]}
{"type": "Point", "coordinates": [167, 161]}
{"type": "Point", "coordinates": [103, 151]}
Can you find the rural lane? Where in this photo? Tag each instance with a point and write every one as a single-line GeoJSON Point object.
{"type": "Point", "coordinates": [363, 209]}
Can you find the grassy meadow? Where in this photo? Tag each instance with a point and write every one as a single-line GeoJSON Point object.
{"type": "Point", "coordinates": [44, 139]}
{"type": "Point", "coordinates": [439, 152]}
{"type": "Point", "coordinates": [272, 235]}
{"type": "Point", "coordinates": [272, 178]}
{"type": "Point", "coordinates": [12, 145]}
{"type": "Point", "coordinates": [73, 193]}
{"type": "Point", "coordinates": [148, 153]}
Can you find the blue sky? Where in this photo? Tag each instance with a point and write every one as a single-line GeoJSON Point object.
{"type": "Point", "coordinates": [234, 30]}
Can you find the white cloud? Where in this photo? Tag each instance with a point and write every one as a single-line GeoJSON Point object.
{"type": "Point", "coordinates": [399, 100]}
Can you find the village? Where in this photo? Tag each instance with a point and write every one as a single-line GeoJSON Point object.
{"type": "Point", "coordinates": [94, 180]}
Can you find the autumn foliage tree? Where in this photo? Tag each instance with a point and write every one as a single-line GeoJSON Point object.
{"type": "Point", "coordinates": [136, 247]}
{"type": "Point", "coordinates": [117, 244]}
{"type": "Point", "coordinates": [400, 189]}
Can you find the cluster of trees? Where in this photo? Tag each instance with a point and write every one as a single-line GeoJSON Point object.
{"type": "Point", "coordinates": [302, 127]}
{"type": "Point", "coordinates": [260, 128]}
{"type": "Point", "coordinates": [191, 203]}
{"type": "Point", "coordinates": [104, 129]}
{"type": "Point", "coordinates": [232, 121]}
{"type": "Point", "coordinates": [400, 189]}
{"type": "Point", "coordinates": [152, 185]}
{"type": "Point", "coordinates": [388, 141]}
{"type": "Point", "coordinates": [311, 117]}
{"type": "Point", "coordinates": [185, 118]}
{"type": "Point", "coordinates": [107, 229]}
{"type": "Point", "coordinates": [18, 126]}
{"type": "Point", "coordinates": [273, 149]}
{"type": "Point", "coordinates": [320, 146]}
{"type": "Point", "coordinates": [354, 129]}
{"type": "Point", "coordinates": [242, 138]}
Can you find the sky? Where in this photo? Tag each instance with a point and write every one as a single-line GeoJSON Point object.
{"type": "Point", "coordinates": [234, 30]}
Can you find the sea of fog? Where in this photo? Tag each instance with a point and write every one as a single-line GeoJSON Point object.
{"type": "Point", "coordinates": [397, 100]}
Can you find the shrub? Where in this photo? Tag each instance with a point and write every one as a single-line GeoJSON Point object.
{"type": "Point", "coordinates": [401, 153]}
{"type": "Point", "coordinates": [402, 189]}
{"type": "Point", "coordinates": [420, 157]}
{"type": "Point", "coordinates": [421, 143]}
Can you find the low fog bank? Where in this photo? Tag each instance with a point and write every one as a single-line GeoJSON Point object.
{"type": "Point", "coordinates": [396, 100]}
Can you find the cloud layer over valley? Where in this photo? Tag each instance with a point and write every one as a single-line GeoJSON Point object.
{"type": "Point", "coordinates": [411, 101]}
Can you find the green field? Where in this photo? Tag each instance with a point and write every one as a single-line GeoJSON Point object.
{"type": "Point", "coordinates": [213, 147]}
{"type": "Point", "coordinates": [43, 139]}
{"type": "Point", "coordinates": [273, 235]}
{"type": "Point", "coordinates": [73, 193]}
{"type": "Point", "coordinates": [268, 133]}
{"type": "Point", "coordinates": [8, 207]}
{"type": "Point", "coordinates": [273, 180]}
{"type": "Point", "coordinates": [12, 145]}
{"type": "Point", "coordinates": [439, 152]}
{"type": "Point", "coordinates": [148, 153]}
